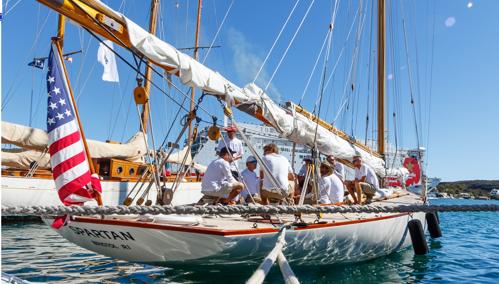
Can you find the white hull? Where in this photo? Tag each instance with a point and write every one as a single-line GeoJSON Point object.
{"type": "Point", "coordinates": [349, 241]}
{"type": "Point", "coordinates": [21, 191]}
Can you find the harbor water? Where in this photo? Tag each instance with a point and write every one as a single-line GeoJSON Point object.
{"type": "Point", "coordinates": [468, 252]}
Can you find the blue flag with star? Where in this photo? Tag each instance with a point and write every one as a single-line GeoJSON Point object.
{"type": "Point", "coordinates": [59, 110]}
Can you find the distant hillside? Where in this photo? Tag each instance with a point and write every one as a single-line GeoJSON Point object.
{"type": "Point", "coordinates": [474, 187]}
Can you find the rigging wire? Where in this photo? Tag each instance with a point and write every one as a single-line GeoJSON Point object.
{"type": "Point", "coordinates": [218, 31]}
{"type": "Point", "coordinates": [139, 72]}
{"type": "Point", "coordinates": [11, 8]}
{"type": "Point", "coordinates": [430, 92]}
{"type": "Point", "coordinates": [275, 41]}
{"type": "Point", "coordinates": [324, 72]}
{"type": "Point", "coordinates": [411, 87]}
{"type": "Point", "coordinates": [113, 127]}
{"type": "Point", "coordinates": [8, 97]}
{"type": "Point", "coordinates": [313, 69]}
{"type": "Point", "coordinates": [289, 45]}
{"type": "Point", "coordinates": [346, 95]}
{"type": "Point", "coordinates": [370, 73]}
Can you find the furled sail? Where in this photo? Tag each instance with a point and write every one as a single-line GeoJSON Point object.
{"type": "Point", "coordinates": [36, 139]}
{"type": "Point", "coordinates": [23, 159]}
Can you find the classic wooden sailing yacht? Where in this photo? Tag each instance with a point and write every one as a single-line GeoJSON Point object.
{"type": "Point", "coordinates": [207, 240]}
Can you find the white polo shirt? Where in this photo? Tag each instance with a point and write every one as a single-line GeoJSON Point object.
{"type": "Point", "coordinates": [368, 172]}
{"type": "Point", "coordinates": [252, 182]}
{"type": "Point", "coordinates": [217, 174]}
{"type": "Point", "coordinates": [235, 145]}
{"type": "Point", "coordinates": [331, 189]}
{"type": "Point", "coordinates": [279, 167]}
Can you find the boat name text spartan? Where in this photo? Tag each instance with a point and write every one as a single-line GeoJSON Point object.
{"type": "Point", "coordinates": [102, 234]}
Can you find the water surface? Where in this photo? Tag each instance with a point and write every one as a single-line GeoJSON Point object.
{"type": "Point", "coordinates": [468, 252]}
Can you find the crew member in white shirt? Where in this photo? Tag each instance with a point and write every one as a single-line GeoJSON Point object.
{"type": "Point", "coordinates": [251, 180]}
{"type": "Point", "coordinates": [339, 168]}
{"type": "Point", "coordinates": [280, 168]}
{"type": "Point", "coordinates": [218, 181]}
{"type": "Point", "coordinates": [365, 181]}
{"type": "Point", "coordinates": [331, 187]}
{"type": "Point", "coordinates": [234, 145]}
{"type": "Point", "coordinates": [307, 161]}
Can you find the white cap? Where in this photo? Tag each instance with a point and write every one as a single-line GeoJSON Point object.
{"type": "Point", "coordinates": [250, 159]}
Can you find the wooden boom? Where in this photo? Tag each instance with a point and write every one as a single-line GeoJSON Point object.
{"type": "Point", "coordinates": [97, 18]}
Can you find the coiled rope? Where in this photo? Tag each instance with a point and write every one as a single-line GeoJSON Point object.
{"type": "Point", "coordinates": [238, 209]}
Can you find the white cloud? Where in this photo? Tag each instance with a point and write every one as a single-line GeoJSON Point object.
{"type": "Point", "coordinates": [247, 61]}
{"type": "Point", "coordinates": [450, 21]}
{"type": "Point", "coordinates": [470, 4]}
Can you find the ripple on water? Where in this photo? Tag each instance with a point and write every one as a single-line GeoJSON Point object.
{"type": "Point", "coordinates": [467, 252]}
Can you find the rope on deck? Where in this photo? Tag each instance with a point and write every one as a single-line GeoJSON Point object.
{"type": "Point", "coordinates": [267, 263]}
{"type": "Point", "coordinates": [238, 209]}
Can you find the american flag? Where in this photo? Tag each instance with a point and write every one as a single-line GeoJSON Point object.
{"type": "Point", "coordinates": [68, 159]}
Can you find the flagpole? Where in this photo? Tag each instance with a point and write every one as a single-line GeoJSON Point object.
{"type": "Point", "coordinates": [58, 43]}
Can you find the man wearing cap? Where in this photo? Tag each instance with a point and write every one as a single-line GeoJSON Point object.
{"type": "Point", "coordinates": [339, 169]}
{"type": "Point", "coordinates": [218, 183]}
{"type": "Point", "coordinates": [276, 186]}
{"type": "Point", "coordinates": [235, 145]}
{"type": "Point", "coordinates": [251, 180]}
{"type": "Point", "coordinates": [365, 181]}
{"type": "Point", "coordinates": [331, 187]}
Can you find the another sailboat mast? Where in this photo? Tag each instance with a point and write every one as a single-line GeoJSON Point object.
{"type": "Point", "coordinates": [196, 56]}
{"type": "Point", "coordinates": [148, 73]}
{"type": "Point", "coordinates": [381, 77]}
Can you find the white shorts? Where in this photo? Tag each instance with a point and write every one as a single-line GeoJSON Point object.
{"type": "Point", "coordinates": [222, 190]}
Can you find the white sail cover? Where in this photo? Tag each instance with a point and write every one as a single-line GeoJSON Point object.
{"type": "Point", "coordinates": [22, 159]}
{"type": "Point", "coordinates": [178, 157]}
{"type": "Point", "coordinates": [293, 126]}
{"type": "Point", "coordinates": [37, 139]}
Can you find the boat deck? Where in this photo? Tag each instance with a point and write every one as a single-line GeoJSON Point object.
{"type": "Point", "coordinates": [229, 225]}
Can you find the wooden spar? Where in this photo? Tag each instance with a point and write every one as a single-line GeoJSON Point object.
{"type": "Point", "coordinates": [58, 43]}
{"type": "Point", "coordinates": [148, 74]}
{"type": "Point", "coordinates": [330, 127]}
{"type": "Point", "coordinates": [381, 77]}
{"type": "Point", "coordinates": [61, 27]}
{"type": "Point", "coordinates": [196, 56]}
{"type": "Point", "coordinates": [88, 13]}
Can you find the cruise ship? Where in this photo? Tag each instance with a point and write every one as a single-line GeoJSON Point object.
{"type": "Point", "coordinates": [204, 151]}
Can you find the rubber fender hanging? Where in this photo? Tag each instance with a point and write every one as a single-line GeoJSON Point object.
{"type": "Point", "coordinates": [433, 225]}
{"type": "Point", "coordinates": [417, 236]}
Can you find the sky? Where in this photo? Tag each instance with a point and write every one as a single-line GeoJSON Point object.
{"type": "Point", "coordinates": [443, 54]}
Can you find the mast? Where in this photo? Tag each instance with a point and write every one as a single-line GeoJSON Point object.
{"type": "Point", "coordinates": [148, 72]}
{"type": "Point", "coordinates": [381, 77]}
{"type": "Point", "coordinates": [196, 56]}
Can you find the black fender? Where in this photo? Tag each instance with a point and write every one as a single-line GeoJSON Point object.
{"type": "Point", "coordinates": [418, 237]}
